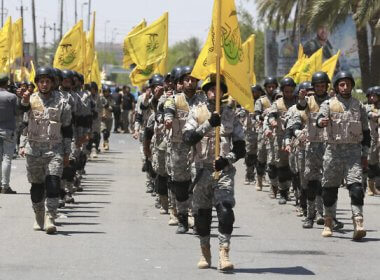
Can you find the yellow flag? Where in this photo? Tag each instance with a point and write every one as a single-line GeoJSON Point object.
{"type": "Point", "coordinates": [300, 52]}
{"type": "Point", "coordinates": [17, 40]}
{"type": "Point", "coordinates": [234, 62]}
{"type": "Point", "coordinates": [5, 46]}
{"type": "Point", "coordinates": [32, 73]}
{"type": "Point", "coordinates": [127, 60]}
{"type": "Point", "coordinates": [330, 65]}
{"type": "Point", "coordinates": [310, 66]}
{"type": "Point", "coordinates": [149, 45]}
{"type": "Point", "coordinates": [70, 52]}
{"type": "Point", "coordinates": [21, 74]}
{"type": "Point", "coordinates": [140, 75]}
{"type": "Point", "coordinates": [249, 52]}
{"type": "Point", "coordinates": [95, 72]}
{"type": "Point", "coordinates": [90, 51]}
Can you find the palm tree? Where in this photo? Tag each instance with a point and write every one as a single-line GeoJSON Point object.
{"type": "Point", "coordinates": [311, 13]}
{"type": "Point", "coordinates": [185, 52]}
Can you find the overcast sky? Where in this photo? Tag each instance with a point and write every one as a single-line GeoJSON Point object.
{"type": "Point", "coordinates": [186, 18]}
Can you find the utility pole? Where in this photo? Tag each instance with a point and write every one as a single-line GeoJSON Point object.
{"type": "Point", "coordinates": [89, 15]}
{"type": "Point", "coordinates": [2, 12]}
{"type": "Point", "coordinates": [76, 13]}
{"type": "Point", "coordinates": [44, 33]}
{"type": "Point", "coordinates": [22, 9]}
{"type": "Point", "coordinates": [34, 33]}
{"type": "Point", "coordinates": [61, 22]}
{"type": "Point", "coordinates": [55, 29]}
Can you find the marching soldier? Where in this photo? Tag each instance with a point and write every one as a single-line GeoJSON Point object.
{"type": "Point", "coordinates": [348, 141]}
{"type": "Point", "coordinates": [47, 149]}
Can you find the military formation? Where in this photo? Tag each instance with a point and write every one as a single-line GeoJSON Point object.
{"type": "Point", "coordinates": [302, 141]}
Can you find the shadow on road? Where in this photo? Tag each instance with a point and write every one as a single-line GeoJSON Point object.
{"type": "Point", "coordinates": [293, 270]}
{"type": "Point", "coordinates": [73, 232]}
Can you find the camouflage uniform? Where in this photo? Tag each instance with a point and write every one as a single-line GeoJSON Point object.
{"type": "Point", "coordinates": [176, 110]}
{"type": "Point", "coordinates": [262, 107]}
{"type": "Point", "coordinates": [248, 121]}
{"type": "Point", "coordinates": [209, 192]}
{"type": "Point", "coordinates": [373, 156]}
{"type": "Point", "coordinates": [278, 113]}
{"type": "Point", "coordinates": [49, 135]}
{"type": "Point", "coordinates": [347, 134]}
{"type": "Point", "coordinates": [315, 148]}
{"type": "Point", "coordinates": [106, 117]}
{"type": "Point", "coordinates": [143, 111]}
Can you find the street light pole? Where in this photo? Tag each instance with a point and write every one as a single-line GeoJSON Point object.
{"type": "Point", "coordinates": [83, 4]}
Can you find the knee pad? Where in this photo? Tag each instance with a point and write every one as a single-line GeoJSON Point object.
{"type": "Point", "coordinates": [53, 186]}
{"type": "Point", "coordinates": [181, 190]}
{"type": "Point", "coordinates": [272, 171]}
{"type": "Point", "coordinates": [330, 196]}
{"type": "Point", "coordinates": [202, 222]}
{"type": "Point", "coordinates": [96, 137]}
{"type": "Point", "coordinates": [161, 183]}
{"type": "Point", "coordinates": [260, 168]}
{"type": "Point", "coordinates": [356, 194]}
{"type": "Point", "coordinates": [68, 173]}
{"type": "Point", "coordinates": [226, 217]}
{"type": "Point", "coordinates": [250, 160]}
{"type": "Point", "coordinates": [303, 198]}
{"type": "Point", "coordinates": [284, 174]}
{"type": "Point", "coordinates": [82, 160]}
{"type": "Point", "coordinates": [311, 192]}
{"type": "Point", "coordinates": [170, 184]}
{"type": "Point", "coordinates": [37, 192]}
{"type": "Point", "coordinates": [373, 171]}
{"type": "Point", "coordinates": [106, 134]}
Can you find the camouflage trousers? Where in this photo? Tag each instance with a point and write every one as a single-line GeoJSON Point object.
{"type": "Point", "coordinates": [261, 147]}
{"type": "Point", "coordinates": [314, 161]}
{"type": "Point", "coordinates": [159, 161]}
{"type": "Point", "coordinates": [208, 192]}
{"type": "Point", "coordinates": [178, 154]}
{"type": "Point", "coordinates": [341, 162]}
{"type": "Point", "coordinates": [297, 164]}
{"type": "Point", "coordinates": [281, 158]}
{"type": "Point", "coordinates": [39, 167]}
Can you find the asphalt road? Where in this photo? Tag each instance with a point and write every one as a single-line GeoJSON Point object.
{"type": "Point", "coordinates": [113, 231]}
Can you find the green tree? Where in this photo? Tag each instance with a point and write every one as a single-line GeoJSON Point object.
{"type": "Point", "coordinates": [311, 13]}
{"type": "Point", "coordinates": [247, 27]}
{"type": "Point", "coordinates": [184, 52]}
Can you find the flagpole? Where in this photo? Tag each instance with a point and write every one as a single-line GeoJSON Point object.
{"type": "Point", "coordinates": [218, 45]}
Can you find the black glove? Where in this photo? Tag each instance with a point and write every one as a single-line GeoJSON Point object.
{"type": "Point", "coordinates": [214, 120]}
{"type": "Point", "coordinates": [220, 163]}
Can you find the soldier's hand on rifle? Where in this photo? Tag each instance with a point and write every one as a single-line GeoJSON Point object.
{"type": "Point", "coordinates": [273, 123]}
{"type": "Point", "coordinates": [26, 97]}
{"type": "Point", "coordinates": [214, 120]}
{"type": "Point", "coordinates": [21, 152]}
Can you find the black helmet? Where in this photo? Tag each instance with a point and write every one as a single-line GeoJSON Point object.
{"type": "Point", "coordinates": [304, 85]}
{"type": "Point", "coordinates": [106, 88]}
{"type": "Point", "coordinates": [156, 80]}
{"type": "Point", "coordinates": [320, 77]}
{"type": "Point", "coordinates": [270, 80]}
{"type": "Point", "coordinates": [168, 77]}
{"type": "Point", "coordinates": [4, 78]}
{"type": "Point", "coordinates": [67, 74]}
{"type": "Point", "coordinates": [257, 88]}
{"type": "Point", "coordinates": [176, 74]}
{"type": "Point", "coordinates": [44, 71]}
{"type": "Point", "coordinates": [343, 75]}
{"type": "Point", "coordinates": [376, 90]}
{"type": "Point", "coordinates": [210, 81]}
{"type": "Point", "coordinates": [287, 81]}
{"type": "Point", "coordinates": [80, 77]}
{"type": "Point", "coordinates": [369, 91]}
{"type": "Point", "coordinates": [94, 85]}
{"type": "Point", "coordinates": [58, 73]}
{"type": "Point", "coordinates": [186, 70]}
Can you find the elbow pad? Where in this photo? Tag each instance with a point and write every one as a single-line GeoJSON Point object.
{"type": "Point", "coordinates": [238, 148]}
{"type": "Point", "coordinates": [143, 107]}
{"type": "Point", "coordinates": [191, 137]}
{"type": "Point", "coordinates": [67, 131]}
{"type": "Point", "coordinates": [319, 117]}
{"type": "Point", "coordinates": [366, 138]}
{"type": "Point", "coordinates": [169, 111]}
{"type": "Point", "coordinates": [299, 107]}
{"type": "Point", "coordinates": [289, 133]}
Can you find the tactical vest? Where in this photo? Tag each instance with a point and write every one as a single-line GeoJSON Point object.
{"type": "Point", "coordinates": [44, 122]}
{"type": "Point", "coordinates": [282, 110]}
{"type": "Point", "coordinates": [182, 112]}
{"type": "Point", "coordinates": [205, 149]}
{"type": "Point", "coordinates": [345, 126]}
{"type": "Point", "coordinates": [315, 133]}
{"type": "Point", "coordinates": [265, 102]}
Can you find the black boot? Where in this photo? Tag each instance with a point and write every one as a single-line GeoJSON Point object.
{"type": "Point", "coordinates": [183, 225]}
{"type": "Point", "coordinates": [308, 223]}
{"type": "Point", "coordinates": [283, 197]}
